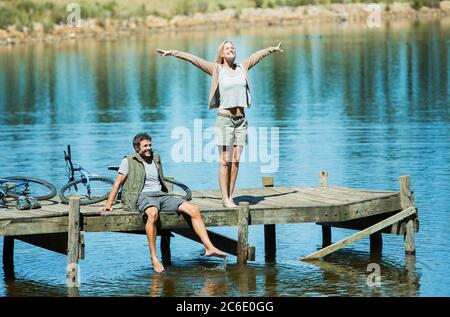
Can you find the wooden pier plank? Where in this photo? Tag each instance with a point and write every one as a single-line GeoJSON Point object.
{"type": "Point", "coordinates": [307, 199]}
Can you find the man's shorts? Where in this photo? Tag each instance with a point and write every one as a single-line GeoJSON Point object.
{"type": "Point", "coordinates": [164, 202]}
{"type": "Point", "coordinates": [231, 131]}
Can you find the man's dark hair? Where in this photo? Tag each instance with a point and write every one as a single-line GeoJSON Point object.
{"type": "Point", "coordinates": [138, 138]}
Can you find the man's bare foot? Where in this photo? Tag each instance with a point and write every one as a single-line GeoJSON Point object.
{"type": "Point", "coordinates": [157, 266]}
{"type": "Point", "coordinates": [215, 252]}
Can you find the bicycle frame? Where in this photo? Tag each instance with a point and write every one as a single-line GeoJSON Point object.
{"type": "Point", "coordinates": [84, 174]}
{"type": "Point", "coordinates": [17, 184]}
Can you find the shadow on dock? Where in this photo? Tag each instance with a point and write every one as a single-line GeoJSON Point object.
{"type": "Point", "coordinates": [254, 200]}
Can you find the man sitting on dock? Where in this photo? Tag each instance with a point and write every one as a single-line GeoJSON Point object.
{"type": "Point", "coordinates": [144, 190]}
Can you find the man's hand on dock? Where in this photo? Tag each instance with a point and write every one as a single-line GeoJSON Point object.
{"type": "Point", "coordinates": [107, 208]}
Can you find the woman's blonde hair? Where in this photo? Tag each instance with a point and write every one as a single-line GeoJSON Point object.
{"type": "Point", "coordinates": [219, 58]}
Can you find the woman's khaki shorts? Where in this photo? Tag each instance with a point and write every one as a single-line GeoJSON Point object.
{"type": "Point", "coordinates": [231, 131]}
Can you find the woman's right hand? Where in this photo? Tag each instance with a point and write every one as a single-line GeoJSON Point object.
{"type": "Point", "coordinates": [164, 53]}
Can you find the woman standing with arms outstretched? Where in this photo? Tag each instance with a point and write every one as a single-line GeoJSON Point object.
{"type": "Point", "coordinates": [230, 93]}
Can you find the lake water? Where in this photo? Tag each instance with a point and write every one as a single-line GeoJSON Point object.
{"type": "Point", "coordinates": [365, 104]}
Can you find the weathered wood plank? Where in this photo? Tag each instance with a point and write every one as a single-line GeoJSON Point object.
{"type": "Point", "coordinates": [24, 226]}
{"type": "Point", "coordinates": [362, 190]}
{"type": "Point", "coordinates": [267, 181]}
{"type": "Point", "coordinates": [410, 247]}
{"type": "Point", "coordinates": [362, 223]}
{"type": "Point", "coordinates": [294, 196]}
{"type": "Point", "coordinates": [128, 221]}
{"type": "Point", "coordinates": [405, 192]}
{"type": "Point", "coordinates": [356, 192]}
{"type": "Point", "coordinates": [324, 179]}
{"type": "Point", "coordinates": [73, 242]}
{"type": "Point", "coordinates": [323, 196]}
{"type": "Point", "coordinates": [243, 221]}
{"type": "Point", "coordinates": [364, 233]}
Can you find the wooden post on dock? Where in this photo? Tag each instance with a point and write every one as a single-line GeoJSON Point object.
{"type": "Point", "coordinates": [376, 242]}
{"type": "Point", "coordinates": [8, 257]}
{"type": "Point", "coordinates": [270, 234]}
{"type": "Point", "coordinates": [242, 247]}
{"type": "Point", "coordinates": [324, 179]}
{"type": "Point", "coordinates": [406, 201]}
{"type": "Point", "coordinates": [326, 230]}
{"type": "Point", "coordinates": [73, 243]}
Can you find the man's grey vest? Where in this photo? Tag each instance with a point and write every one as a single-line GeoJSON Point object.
{"type": "Point", "coordinates": [135, 180]}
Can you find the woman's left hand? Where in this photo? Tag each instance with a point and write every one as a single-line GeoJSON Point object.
{"type": "Point", "coordinates": [278, 48]}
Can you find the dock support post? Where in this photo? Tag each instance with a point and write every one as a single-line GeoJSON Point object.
{"type": "Point", "coordinates": [8, 257]}
{"type": "Point", "coordinates": [165, 247]}
{"type": "Point", "coordinates": [324, 179]}
{"type": "Point", "coordinates": [73, 243]}
{"type": "Point", "coordinates": [270, 234]}
{"type": "Point", "coordinates": [376, 242]}
{"type": "Point", "coordinates": [326, 236]}
{"type": "Point", "coordinates": [326, 230]}
{"type": "Point", "coordinates": [406, 201]}
{"type": "Point", "coordinates": [410, 237]}
{"type": "Point", "coordinates": [242, 246]}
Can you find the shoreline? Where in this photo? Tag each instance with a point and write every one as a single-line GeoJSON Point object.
{"type": "Point", "coordinates": [264, 17]}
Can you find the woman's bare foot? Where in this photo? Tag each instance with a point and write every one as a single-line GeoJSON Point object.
{"type": "Point", "coordinates": [228, 203]}
{"type": "Point", "coordinates": [215, 252]}
{"type": "Point", "coordinates": [157, 266]}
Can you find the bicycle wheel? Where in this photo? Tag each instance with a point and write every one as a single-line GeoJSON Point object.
{"type": "Point", "coordinates": [97, 191]}
{"type": "Point", "coordinates": [38, 188]}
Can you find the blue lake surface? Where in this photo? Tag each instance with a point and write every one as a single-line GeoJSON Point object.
{"type": "Point", "coordinates": [365, 104]}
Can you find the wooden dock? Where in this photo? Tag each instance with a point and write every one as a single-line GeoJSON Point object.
{"type": "Point", "coordinates": [61, 228]}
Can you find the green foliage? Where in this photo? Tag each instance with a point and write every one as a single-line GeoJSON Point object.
{"type": "Point", "coordinates": [417, 4]}
{"type": "Point", "coordinates": [202, 6]}
{"type": "Point", "coordinates": [24, 13]}
{"type": "Point", "coordinates": [259, 3]}
{"type": "Point", "coordinates": [221, 6]}
{"type": "Point", "coordinates": [184, 7]}
{"type": "Point", "coordinates": [6, 17]}
{"type": "Point", "coordinates": [270, 4]}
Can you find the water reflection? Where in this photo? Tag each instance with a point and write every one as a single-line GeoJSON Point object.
{"type": "Point", "coordinates": [396, 279]}
{"type": "Point", "coordinates": [373, 73]}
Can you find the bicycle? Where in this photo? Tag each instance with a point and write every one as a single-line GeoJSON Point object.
{"type": "Point", "coordinates": [16, 186]}
{"type": "Point", "coordinates": [91, 188]}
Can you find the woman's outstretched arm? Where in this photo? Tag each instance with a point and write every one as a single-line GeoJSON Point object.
{"type": "Point", "coordinates": [259, 55]}
{"type": "Point", "coordinates": [205, 66]}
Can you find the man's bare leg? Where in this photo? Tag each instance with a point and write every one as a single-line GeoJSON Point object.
{"type": "Point", "coordinates": [199, 227]}
{"type": "Point", "coordinates": [150, 229]}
